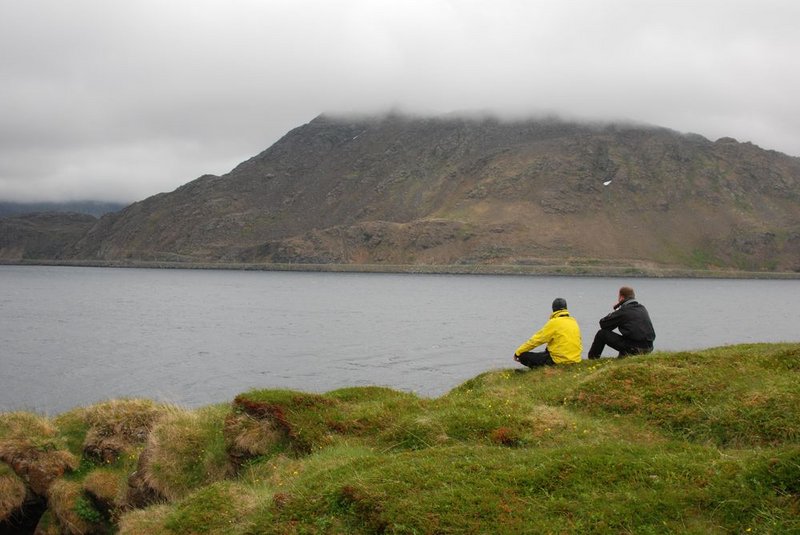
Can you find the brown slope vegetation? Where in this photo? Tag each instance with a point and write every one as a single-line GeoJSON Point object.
{"type": "Point", "coordinates": [41, 235]}
{"type": "Point", "coordinates": [403, 190]}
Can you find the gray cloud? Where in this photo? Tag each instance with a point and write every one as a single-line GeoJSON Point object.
{"type": "Point", "coordinates": [121, 100]}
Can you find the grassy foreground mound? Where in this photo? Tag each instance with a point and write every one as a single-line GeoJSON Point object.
{"type": "Point", "coordinates": [694, 442]}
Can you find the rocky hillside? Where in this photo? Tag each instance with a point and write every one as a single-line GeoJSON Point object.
{"type": "Point", "coordinates": [41, 235]}
{"type": "Point", "coordinates": [401, 190]}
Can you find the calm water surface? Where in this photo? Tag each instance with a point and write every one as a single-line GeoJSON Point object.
{"type": "Point", "coordinates": [75, 336]}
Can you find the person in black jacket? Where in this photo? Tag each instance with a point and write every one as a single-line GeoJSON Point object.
{"type": "Point", "coordinates": [636, 330]}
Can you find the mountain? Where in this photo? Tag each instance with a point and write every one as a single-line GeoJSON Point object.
{"type": "Point", "coordinates": [400, 190]}
{"type": "Point", "coordinates": [41, 235]}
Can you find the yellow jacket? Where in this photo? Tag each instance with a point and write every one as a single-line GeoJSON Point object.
{"type": "Point", "coordinates": [562, 336]}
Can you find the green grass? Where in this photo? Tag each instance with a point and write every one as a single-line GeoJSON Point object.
{"type": "Point", "coordinates": [187, 450]}
{"type": "Point", "coordinates": [742, 396]}
{"type": "Point", "coordinates": [216, 508]}
{"type": "Point", "coordinates": [703, 259]}
{"type": "Point", "coordinates": [691, 442]}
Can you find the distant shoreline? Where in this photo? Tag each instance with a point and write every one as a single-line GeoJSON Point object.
{"type": "Point", "coordinates": [563, 270]}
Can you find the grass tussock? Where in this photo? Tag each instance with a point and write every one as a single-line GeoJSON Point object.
{"type": "Point", "coordinates": [150, 521]}
{"type": "Point", "coordinates": [216, 508]}
{"type": "Point", "coordinates": [693, 442]}
{"type": "Point", "coordinates": [107, 489]}
{"type": "Point", "coordinates": [248, 436]}
{"type": "Point", "coordinates": [48, 525]}
{"type": "Point", "coordinates": [72, 509]}
{"type": "Point", "coordinates": [32, 447]}
{"type": "Point", "coordinates": [109, 430]}
{"type": "Point", "coordinates": [12, 492]}
{"type": "Point", "coordinates": [118, 427]}
{"type": "Point", "coordinates": [300, 423]}
{"type": "Point", "coordinates": [27, 427]}
{"type": "Point", "coordinates": [186, 450]}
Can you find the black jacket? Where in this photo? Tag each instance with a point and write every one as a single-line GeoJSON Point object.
{"type": "Point", "coordinates": [633, 322]}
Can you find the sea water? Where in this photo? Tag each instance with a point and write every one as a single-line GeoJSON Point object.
{"type": "Point", "coordinates": [74, 336]}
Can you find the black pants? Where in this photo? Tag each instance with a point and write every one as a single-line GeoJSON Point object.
{"type": "Point", "coordinates": [624, 345]}
{"type": "Point", "coordinates": [532, 359]}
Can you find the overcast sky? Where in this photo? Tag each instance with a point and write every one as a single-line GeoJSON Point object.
{"type": "Point", "coordinates": [119, 100]}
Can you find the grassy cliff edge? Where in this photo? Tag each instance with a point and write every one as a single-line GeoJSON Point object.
{"type": "Point", "coordinates": [690, 442]}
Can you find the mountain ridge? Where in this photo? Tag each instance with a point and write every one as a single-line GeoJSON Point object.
{"type": "Point", "coordinates": [402, 190]}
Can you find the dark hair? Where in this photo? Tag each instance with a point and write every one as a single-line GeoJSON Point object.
{"type": "Point", "coordinates": [559, 303]}
{"type": "Point", "coordinates": [627, 292]}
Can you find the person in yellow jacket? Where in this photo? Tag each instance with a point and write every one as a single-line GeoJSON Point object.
{"type": "Point", "coordinates": [562, 336]}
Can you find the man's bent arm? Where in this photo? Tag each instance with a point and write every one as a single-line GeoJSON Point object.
{"type": "Point", "coordinates": [611, 321]}
{"type": "Point", "coordinates": [539, 338]}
